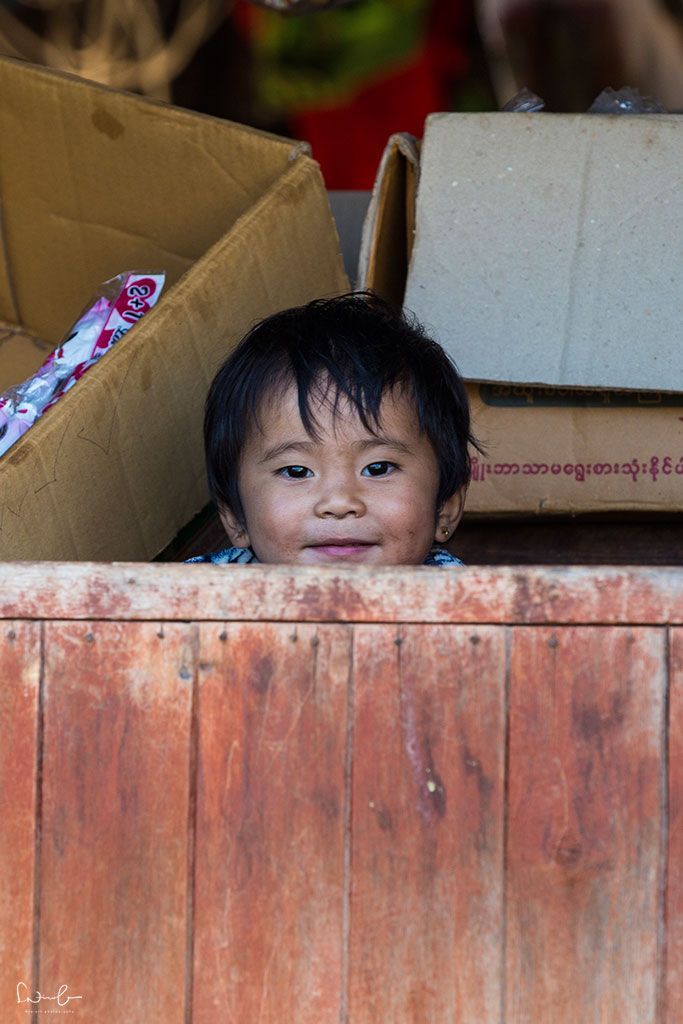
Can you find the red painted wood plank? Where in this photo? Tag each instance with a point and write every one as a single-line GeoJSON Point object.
{"type": "Point", "coordinates": [271, 824]}
{"type": "Point", "coordinates": [673, 993]}
{"type": "Point", "coordinates": [114, 866]}
{"type": "Point", "coordinates": [585, 825]}
{"type": "Point", "coordinates": [562, 594]}
{"type": "Point", "coordinates": [426, 940]}
{"type": "Point", "coordinates": [20, 652]}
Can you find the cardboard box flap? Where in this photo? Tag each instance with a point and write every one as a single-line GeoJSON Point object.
{"type": "Point", "coordinates": [549, 249]}
{"type": "Point", "coordinates": [389, 226]}
{"type": "Point", "coordinates": [20, 355]}
{"type": "Point", "coordinates": [94, 182]}
{"type": "Point", "coordinates": [8, 305]}
{"type": "Point", "coordinates": [126, 442]}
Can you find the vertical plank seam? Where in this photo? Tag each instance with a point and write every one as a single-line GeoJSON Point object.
{"type": "Point", "coordinates": [192, 828]}
{"type": "Point", "coordinates": [508, 635]}
{"type": "Point", "coordinates": [348, 836]}
{"type": "Point", "coordinates": [38, 804]}
{"type": "Point", "coordinates": [662, 915]}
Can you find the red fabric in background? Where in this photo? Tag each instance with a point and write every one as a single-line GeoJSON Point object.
{"type": "Point", "coordinates": [348, 139]}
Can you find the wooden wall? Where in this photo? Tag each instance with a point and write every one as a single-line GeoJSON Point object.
{"type": "Point", "coordinates": [407, 796]}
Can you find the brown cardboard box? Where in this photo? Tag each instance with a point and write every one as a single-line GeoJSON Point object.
{"type": "Point", "coordinates": [491, 272]}
{"type": "Point", "coordinates": [21, 353]}
{"type": "Point", "coordinates": [94, 182]}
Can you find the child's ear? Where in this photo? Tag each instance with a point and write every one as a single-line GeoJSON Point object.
{"type": "Point", "coordinates": [237, 533]}
{"type": "Point", "coordinates": [449, 516]}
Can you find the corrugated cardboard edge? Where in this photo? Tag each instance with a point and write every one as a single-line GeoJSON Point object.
{"type": "Point", "coordinates": [390, 221]}
{"type": "Point", "coordinates": [147, 452]}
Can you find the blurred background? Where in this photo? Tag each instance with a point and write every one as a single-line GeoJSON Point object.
{"type": "Point", "coordinates": [345, 75]}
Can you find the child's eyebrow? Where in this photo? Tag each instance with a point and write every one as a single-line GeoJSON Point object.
{"type": "Point", "coordinates": [361, 446]}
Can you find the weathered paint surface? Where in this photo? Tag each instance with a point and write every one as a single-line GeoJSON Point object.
{"type": "Point", "coordinates": [585, 822]}
{"type": "Point", "coordinates": [271, 823]}
{"type": "Point", "coordinates": [20, 656]}
{"type": "Point", "coordinates": [426, 911]}
{"type": "Point", "coordinates": [562, 594]}
{"type": "Point", "coordinates": [459, 801]}
{"type": "Point", "coordinates": [114, 867]}
{"type": "Point", "coordinates": [672, 933]}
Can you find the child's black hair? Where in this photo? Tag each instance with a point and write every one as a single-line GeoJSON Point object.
{"type": "Point", "coordinates": [363, 348]}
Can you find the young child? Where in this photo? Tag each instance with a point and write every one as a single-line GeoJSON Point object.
{"type": "Point", "coordinates": [338, 432]}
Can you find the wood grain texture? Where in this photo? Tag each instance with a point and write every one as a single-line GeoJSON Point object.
{"type": "Point", "coordinates": [673, 991]}
{"type": "Point", "coordinates": [341, 594]}
{"type": "Point", "coordinates": [20, 660]}
{"type": "Point", "coordinates": [585, 825]}
{"type": "Point", "coordinates": [116, 778]}
{"type": "Point", "coordinates": [349, 858]}
{"type": "Point", "coordinates": [271, 824]}
{"type": "Point", "coordinates": [426, 940]}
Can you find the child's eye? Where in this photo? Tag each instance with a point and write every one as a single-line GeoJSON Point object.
{"type": "Point", "coordinates": [380, 468]}
{"type": "Point", "coordinates": [294, 472]}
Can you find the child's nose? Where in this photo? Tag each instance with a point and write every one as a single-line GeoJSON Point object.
{"type": "Point", "coordinates": [340, 497]}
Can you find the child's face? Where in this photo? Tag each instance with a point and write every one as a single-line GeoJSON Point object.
{"type": "Point", "coordinates": [352, 497]}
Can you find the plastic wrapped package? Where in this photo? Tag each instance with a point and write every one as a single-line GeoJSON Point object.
{"type": "Point", "coordinates": [119, 304]}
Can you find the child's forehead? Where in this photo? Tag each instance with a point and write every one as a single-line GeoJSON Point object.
{"type": "Point", "coordinates": [334, 412]}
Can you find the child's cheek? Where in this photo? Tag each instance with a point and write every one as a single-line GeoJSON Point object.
{"type": "Point", "coordinates": [283, 507]}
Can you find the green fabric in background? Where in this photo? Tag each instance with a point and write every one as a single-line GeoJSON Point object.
{"type": "Point", "coordinates": [324, 58]}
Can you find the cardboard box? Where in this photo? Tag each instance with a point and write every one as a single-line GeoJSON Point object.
{"type": "Point", "coordinates": [546, 253]}
{"type": "Point", "coordinates": [94, 182]}
{"type": "Point", "coordinates": [21, 353]}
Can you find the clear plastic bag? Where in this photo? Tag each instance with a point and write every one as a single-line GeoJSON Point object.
{"type": "Point", "coordinates": [525, 102]}
{"type": "Point", "coordinates": [625, 101]}
{"type": "Point", "coordinates": [610, 101]}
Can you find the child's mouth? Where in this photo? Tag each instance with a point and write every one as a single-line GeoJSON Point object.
{"type": "Point", "coordinates": [343, 548]}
